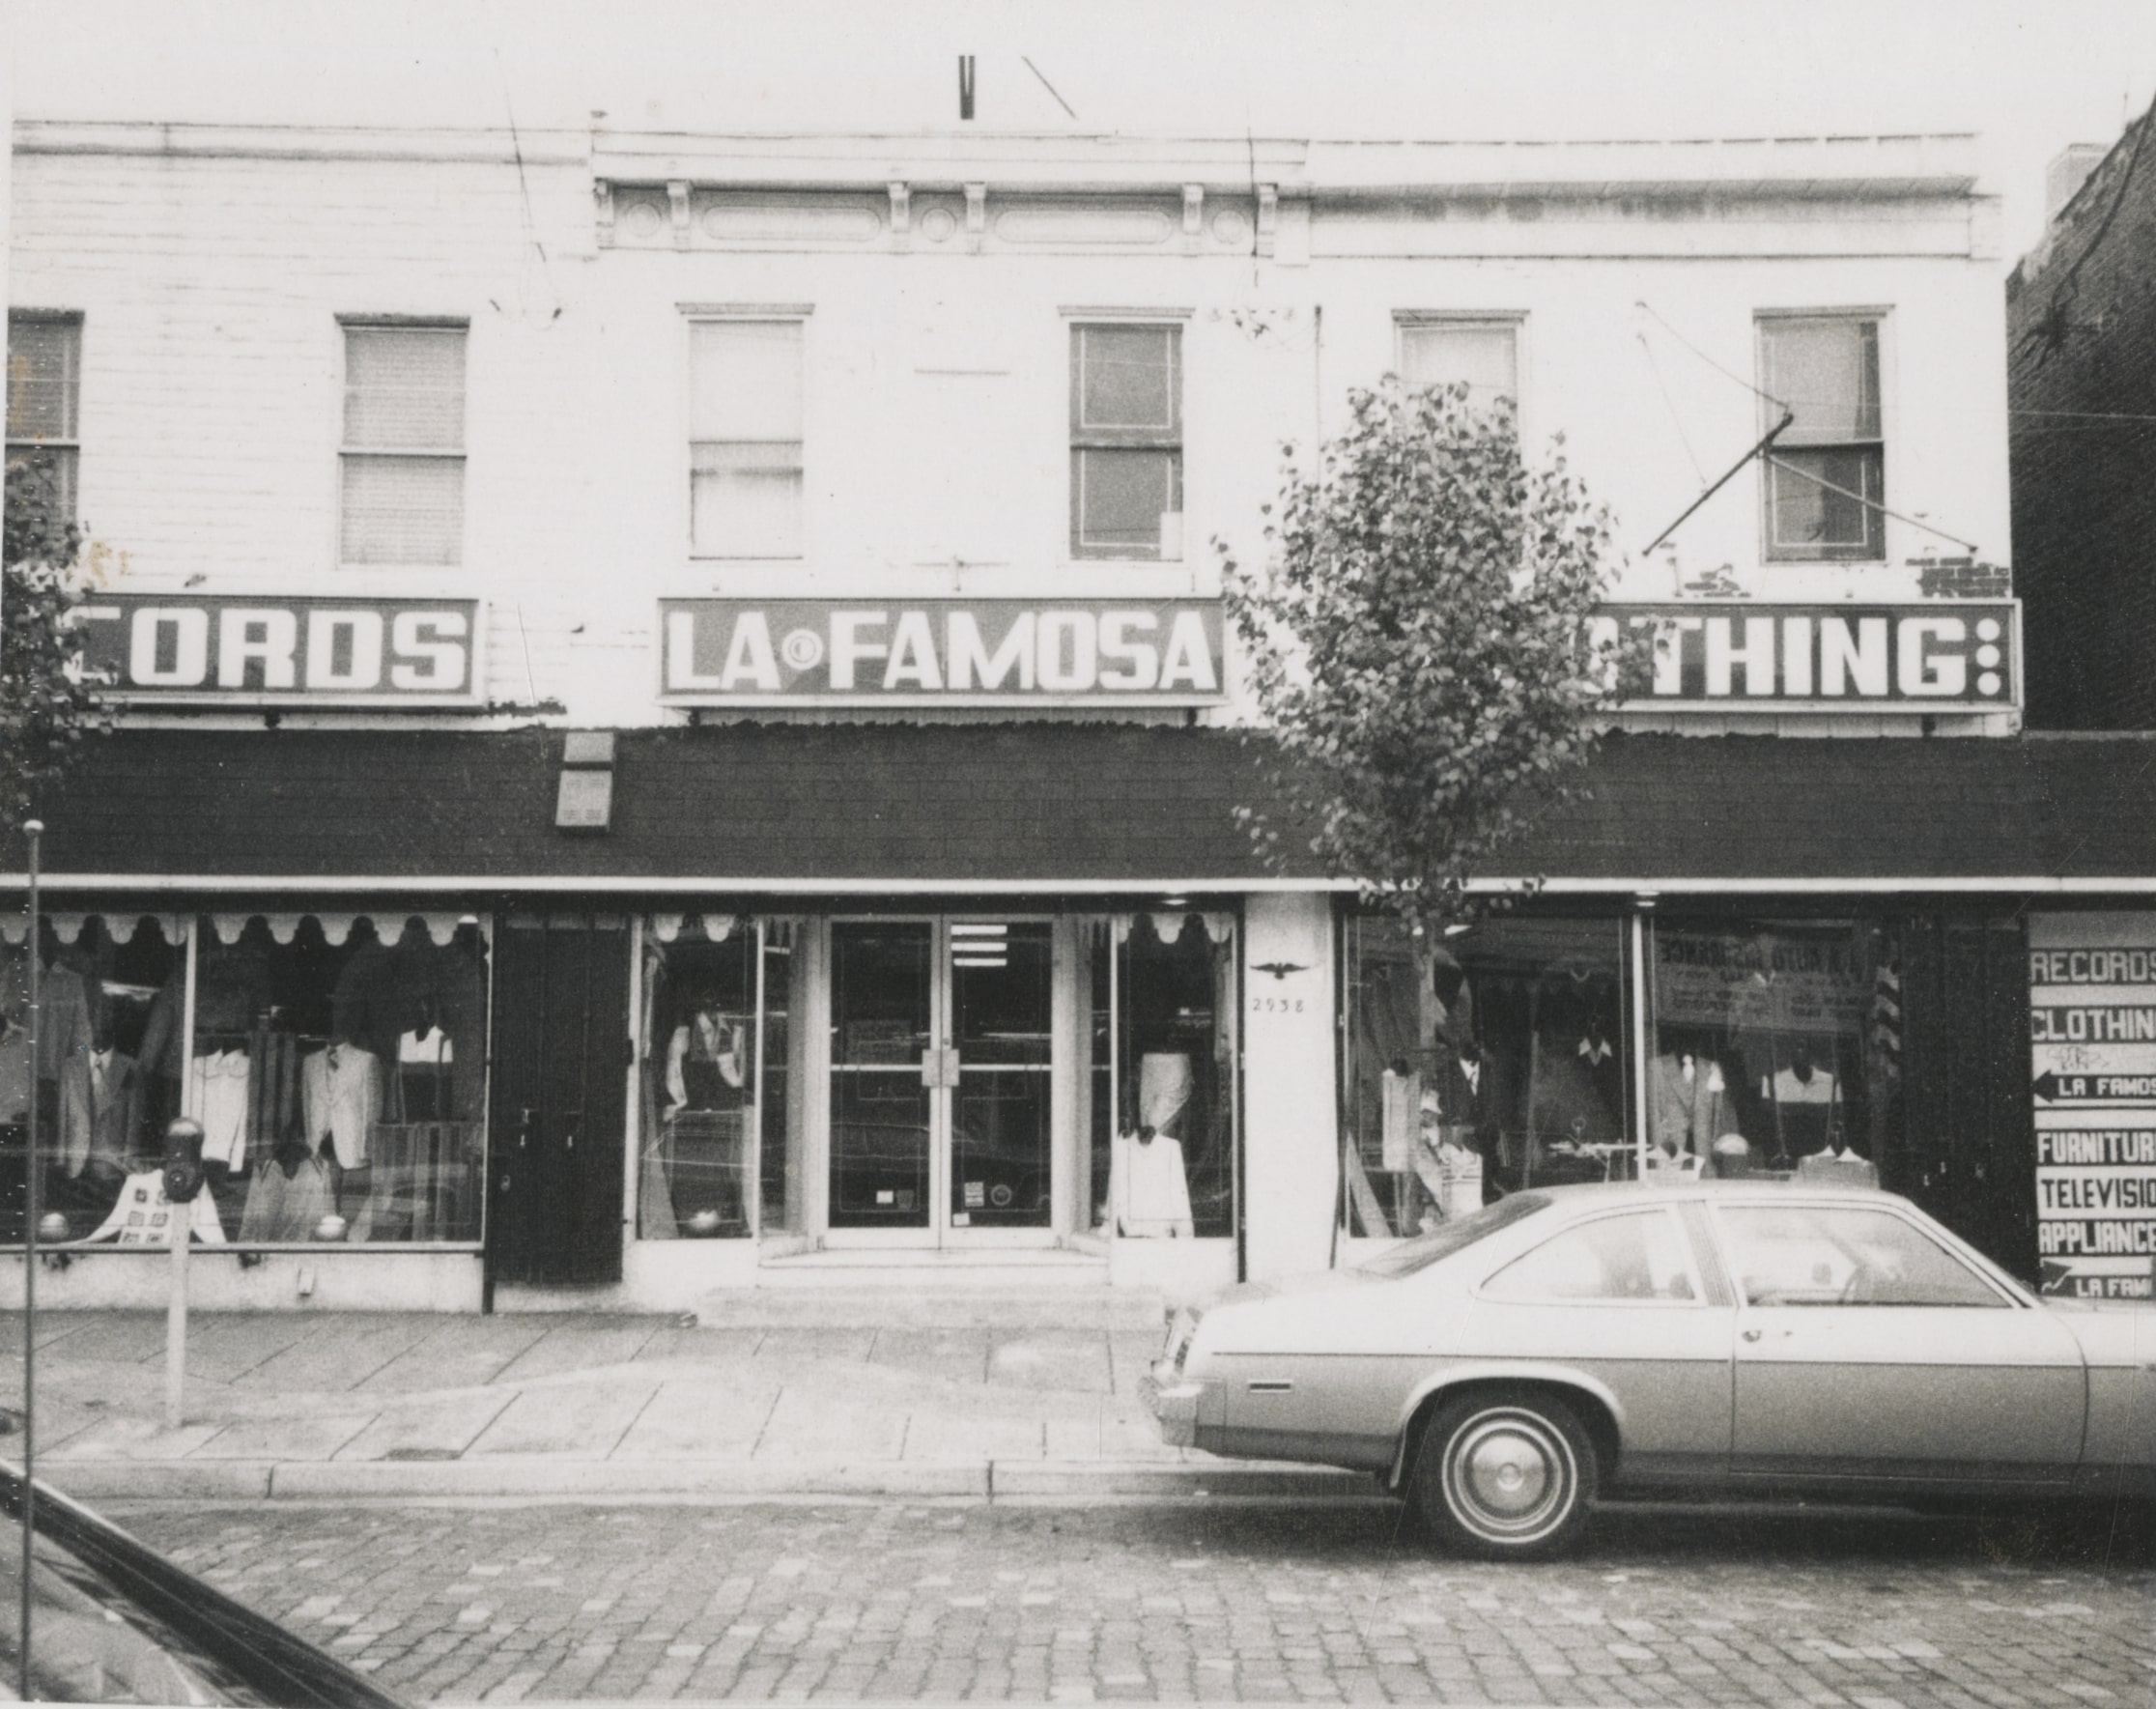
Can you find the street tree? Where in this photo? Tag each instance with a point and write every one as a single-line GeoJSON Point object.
{"type": "Point", "coordinates": [46, 708]}
{"type": "Point", "coordinates": [1420, 643]}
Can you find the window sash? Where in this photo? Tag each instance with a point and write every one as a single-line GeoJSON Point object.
{"type": "Point", "coordinates": [1807, 521]}
{"type": "Point", "coordinates": [1827, 372]}
{"type": "Point", "coordinates": [745, 381]}
{"type": "Point", "coordinates": [1127, 385]}
{"type": "Point", "coordinates": [1118, 496]}
{"type": "Point", "coordinates": [1481, 355]}
{"type": "Point", "coordinates": [746, 438]}
{"type": "Point", "coordinates": [45, 379]}
{"type": "Point", "coordinates": [401, 509]}
{"type": "Point", "coordinates": [403, 388]}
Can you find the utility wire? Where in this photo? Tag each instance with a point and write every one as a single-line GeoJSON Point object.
{"type": "Point", "coordinates": [1868, 503]}
{"type": "Point", "coordinates": [1045, 84]}
{"type": "Point", "coordinates": [1725, 373]}
{"type": "Point", "coordinates": [1655, 368]}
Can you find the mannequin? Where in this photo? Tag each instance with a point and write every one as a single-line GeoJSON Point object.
{"type": "Point", "coordinates": [1806, 1100]}
{"type": "Point", "coordinates": [707, 1061]}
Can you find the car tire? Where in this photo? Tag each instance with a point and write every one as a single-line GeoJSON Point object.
{"type": "Point", "coordinates": [1505, 1475]}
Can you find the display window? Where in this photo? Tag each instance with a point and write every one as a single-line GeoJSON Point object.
{"type": "Point", "coordinates": [1171, 1171]}
{"type": "Point", "coordinates": [720, 1142]}
{"type": "Point", "coordinates": [1492, 1062]}
{"type": "Point", "coordinates": [337, 1064]}
{"type": "Point", "coordinates": [1775, 1045]}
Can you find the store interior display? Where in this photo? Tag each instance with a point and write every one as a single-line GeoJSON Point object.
{"type": "Point", "coordinates": [1170, 1168]}
{"type": "Point", "coordinates": [339, 1078]}
{"type": "Point", "coordinates": [698, 1079]}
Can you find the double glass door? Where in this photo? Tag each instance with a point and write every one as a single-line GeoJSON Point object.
{"type": "Point", "coordinates": [942, 1082]}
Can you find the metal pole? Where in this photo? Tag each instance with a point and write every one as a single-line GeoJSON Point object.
{"type": "Point", "coordinates": [32, 830]}
{"type": "Point", "coordinates": [176, 1314]}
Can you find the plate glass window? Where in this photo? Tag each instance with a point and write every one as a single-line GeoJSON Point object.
{"type": "Point", "coordinates": [45, 383]}
{"type": "Point", "coordinates": [1126, 441]}
{"type": "Point", "coordinates": [403, 457]}
{"type": "Point", "coordinates": [1483, 355]}
{"type": "Point", "coordinates": [744, 438]}
{"type": "Point", "coordinates": [1827, 474]}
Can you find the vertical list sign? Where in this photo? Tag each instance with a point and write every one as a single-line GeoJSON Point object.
{"type": "Point", "coordinates": [2092, 1022]}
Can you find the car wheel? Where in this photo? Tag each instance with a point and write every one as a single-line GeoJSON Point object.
{"type": "Point", "coordinates": [1505, 1475]}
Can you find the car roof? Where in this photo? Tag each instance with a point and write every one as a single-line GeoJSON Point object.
{"type": "Point", "coordinates": [1633, 1192]}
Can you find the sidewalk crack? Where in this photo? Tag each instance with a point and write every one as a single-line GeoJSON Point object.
{"type": "Point", "coordinates": [756, 1447]}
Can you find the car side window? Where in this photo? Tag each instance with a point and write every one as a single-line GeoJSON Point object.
{"type": "Point", "coordinates": [1639, 1255]}
{"type": "Point", "coordinates": [1843, 1255]}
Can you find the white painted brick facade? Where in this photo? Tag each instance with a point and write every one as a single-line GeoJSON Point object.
{"type": "Point", "coordinates": [211, 265]}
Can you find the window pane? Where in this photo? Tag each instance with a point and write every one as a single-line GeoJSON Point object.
{"type": "Point", "coordinates": [1778, 1046]}
{"type": "Point", "coordinates": [54, 466]}
{"type": "Point", "coordinates": [1121, 497]}
{"type": "Point", "coordinates": [45, 359]}
{"type": "Point", "coordinates": [1828, 373]}
{"type": "Point", "coordinates": [1638, 1257]}
{"type": "Point", "coordinates": [403, 388]}
{"type": "Point", "coordinates": [745, 379]}
{"type": "Point", "coordinates": [1813, 519]}
{"type": "Point", "coordinates": [1505, 1047]}
{"type": "Point", "coordinates": [1127, 377]}
{"type": "Point", "coordinates": [1172, 1171]}
{"type": "Point", "coordinates": [403, 510]}
{"type": "Point", "coordinates": [1483, 357]}
{"type": "Point", "coordinates": [1812, 1255]}
{"type": "Point", "coordinates": [745, 501]}
{"type": "Point", "coordinates": [699, 1080]}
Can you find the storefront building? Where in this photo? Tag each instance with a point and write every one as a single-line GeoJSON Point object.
{"type": "Point", "coordinates": [680, 733]}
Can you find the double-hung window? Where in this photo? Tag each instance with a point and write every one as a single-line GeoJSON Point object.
{"type": "Point", "coordinates": [402, 461]}
{"type": "Point", "coordinates": [44, 384]}
{"type": "Point", "coordinates": [1826, 485]}
{"type": "Point", "coordinates": [744, 438]}
{"type": "Point", "coordinates": [1126, 441]}
{"type": "Point", "coordinates": [1480, 352]}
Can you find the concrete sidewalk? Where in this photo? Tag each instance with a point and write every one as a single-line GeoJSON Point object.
{"type": "Point", "coordinates": [771, 1392]}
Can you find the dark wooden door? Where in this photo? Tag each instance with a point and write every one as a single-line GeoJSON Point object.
{"type": "Point", "coordinates": [561, 1057]}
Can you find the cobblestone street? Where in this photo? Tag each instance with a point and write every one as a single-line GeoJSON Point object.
{"type": "Point", "coordinates": [893, 1599]}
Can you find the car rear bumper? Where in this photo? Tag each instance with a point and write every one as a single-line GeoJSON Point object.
{"type": "Point", "coordinates": [1174, 1405]}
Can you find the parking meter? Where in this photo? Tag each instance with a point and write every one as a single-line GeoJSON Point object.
{"type": "Point", "coordinates": [183, 1160]}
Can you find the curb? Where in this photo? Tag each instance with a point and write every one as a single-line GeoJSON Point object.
{"type": "Point", "coordinates": [575, 1479]}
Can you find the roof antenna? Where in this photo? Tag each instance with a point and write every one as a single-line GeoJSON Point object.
{"type": "Point", "coordinates": [964, 87]}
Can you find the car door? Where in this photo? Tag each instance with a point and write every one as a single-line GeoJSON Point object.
{"type": "Point", "coordinates": [1618, 1299]}
{"type": "Point", "coordinates": [1869, 1351]}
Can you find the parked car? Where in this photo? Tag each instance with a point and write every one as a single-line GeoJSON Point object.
{"type": "Point", "coordinates": [113, 1621]}
{"type": "Point", "coordinates": [1509, 1367]}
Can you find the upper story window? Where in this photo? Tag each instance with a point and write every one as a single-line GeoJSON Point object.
{"type": "Point", "coordinates": [1481, 351]}
{"type": "Point", "coordinates": [403, 456]}
{"type": "Point", "coordinates": [45, 383]}
{"type": "Point", "coordinates": [1126, 441]}
{"type": "Point", "coordinates": [1825, 487]}
{"type": "Point", "coordinates": [745, 438]}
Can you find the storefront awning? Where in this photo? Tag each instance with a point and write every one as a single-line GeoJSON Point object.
{"type": "Point", "coordinates": [868, 808]}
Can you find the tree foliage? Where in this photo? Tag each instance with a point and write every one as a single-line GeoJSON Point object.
{"type": "Point", "coordinates": [1420, 644]}
{"type": "Point", "coordinates": [45, 708]}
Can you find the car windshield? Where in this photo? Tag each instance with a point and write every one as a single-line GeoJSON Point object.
{"type": "Point", "coordinates": [1448, 1237]}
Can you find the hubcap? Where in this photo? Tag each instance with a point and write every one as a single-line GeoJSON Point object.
{"type": "Point", "coordinates": [1509, 1476]}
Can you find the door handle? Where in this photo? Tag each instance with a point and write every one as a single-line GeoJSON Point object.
{"type": "Point", "coordinates": [1755, 1334]}
{"type": "Point", "coordinates": [1752, 1335]}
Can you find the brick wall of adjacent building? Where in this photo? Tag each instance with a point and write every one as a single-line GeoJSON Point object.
{"type": "Point", "coordinates": [2081, 344]}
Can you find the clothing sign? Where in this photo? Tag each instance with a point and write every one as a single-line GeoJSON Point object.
{"type": "Point", "coordinates": [1938, 655]}
{"type": "Point", "coordinates": [2091, 992]}
{"type": "Point", "coordinates": [207, 648]}
{"type": "Point", "coordinates": [938, 651]}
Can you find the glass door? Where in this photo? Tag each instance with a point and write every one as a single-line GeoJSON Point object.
{"type": "Point", "coordinates": [942, 1080]}
{"type": "Point", "coordinates": [883, 988]}
{"type": "Point", "coordinates": [1001, 985]}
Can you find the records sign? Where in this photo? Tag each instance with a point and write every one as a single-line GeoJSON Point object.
{"type": "Point", "coordinates": [2092, 1020]}
{"type": "Point", "coordinates": [206, 649]}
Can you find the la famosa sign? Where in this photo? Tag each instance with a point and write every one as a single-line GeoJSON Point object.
{"type": "Point", "coordinates": [210, 650]}
{"type": "Point", "coordinates": [940, 651]}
